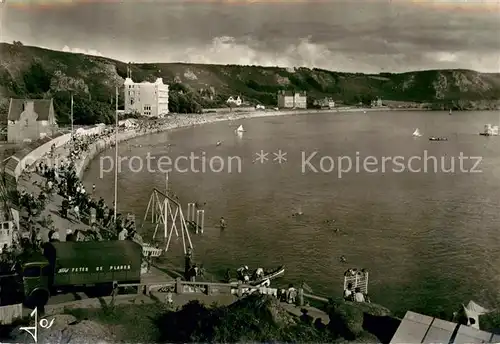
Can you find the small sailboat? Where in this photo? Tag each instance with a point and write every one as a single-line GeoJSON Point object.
{"type": "Point", "coordinates": [416, 133]}
{"type": "Point", "coordinates": [449, 113]}
{"type": "Point", "coordinates": [240, 129]}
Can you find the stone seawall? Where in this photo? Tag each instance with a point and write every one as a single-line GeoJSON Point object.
{"type": "Point", "coordinates": [103, 144]}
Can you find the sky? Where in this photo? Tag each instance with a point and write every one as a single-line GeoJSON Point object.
{"type": "Point", "coordinates": [367, 36]}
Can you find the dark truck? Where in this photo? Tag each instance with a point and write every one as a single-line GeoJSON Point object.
{"type": "Point", "coordinates": [81, 265]}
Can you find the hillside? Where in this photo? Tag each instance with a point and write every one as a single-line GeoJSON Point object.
{"type": "Point", "coordinates": [35, 72]}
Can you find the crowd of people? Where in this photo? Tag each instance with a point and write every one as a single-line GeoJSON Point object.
{"type": "Point", "coordinates": [78, 204]}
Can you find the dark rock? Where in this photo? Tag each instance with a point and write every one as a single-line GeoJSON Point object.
{"type": "Point", "coordinates": [351, 319]}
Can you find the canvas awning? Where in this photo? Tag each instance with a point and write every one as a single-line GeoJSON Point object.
{"type": "Point", "coordinates": [419, 328]}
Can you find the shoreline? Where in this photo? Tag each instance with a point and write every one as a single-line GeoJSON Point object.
{"type": "Point", "coordinates": [191, 120]}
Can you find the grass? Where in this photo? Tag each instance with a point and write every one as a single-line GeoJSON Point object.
{"type": "Point", "coordinates": [130, 323]}
{"type": "Point", "coordinates": [256, 318]}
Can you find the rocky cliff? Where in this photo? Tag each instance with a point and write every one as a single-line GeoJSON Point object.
{"type": "Point", "coordinates": [35, 72]}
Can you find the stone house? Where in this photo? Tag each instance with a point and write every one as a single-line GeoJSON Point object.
{"type": "Point", "coordinates": [30, 120]}
{"type": "Point", "coordinates": [292, 100]}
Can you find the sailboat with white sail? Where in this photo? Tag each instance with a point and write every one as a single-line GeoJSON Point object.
{"type": "Point", "coordinates": [417, 133]}
{"type": "Point", "coordinates": [240, 129]}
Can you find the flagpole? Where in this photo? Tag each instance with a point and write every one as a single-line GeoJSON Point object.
{"type": "Point", "coordinates": [72, 132]}
{"type": "Point", "coordinates": [116, 152]}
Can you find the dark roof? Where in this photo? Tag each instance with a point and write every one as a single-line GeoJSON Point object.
{"type": "Point", "coordinates": [97, 253]}
{"type": "Point", "coordinates": [11, 164]}
{"type": "Point", "coordinates": [291, 93]}
{"type": "Point", "coordinates": [286, 93]}
{"type": "Point", "coordinates": [42, 108]}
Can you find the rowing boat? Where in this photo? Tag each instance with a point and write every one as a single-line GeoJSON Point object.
{"type": "Point", "coordinates": [278, 272]}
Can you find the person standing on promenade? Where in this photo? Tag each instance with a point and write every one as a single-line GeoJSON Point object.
{"type": "Point", "coordinates": [188, 263]}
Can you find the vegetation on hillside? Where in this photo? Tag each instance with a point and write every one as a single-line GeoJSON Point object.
{"type": "Point", "coordinates": [256, 318]}
{"type": "Point", "coordinates": [39, 73]}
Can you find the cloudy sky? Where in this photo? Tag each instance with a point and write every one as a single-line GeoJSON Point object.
{"type": "Point", "coordinates": [353, 35]}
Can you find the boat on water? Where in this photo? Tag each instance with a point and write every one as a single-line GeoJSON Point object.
{"type": "Point", "coordinates": [449, 113]}
{"type": "Point", "coordinates": [490, 130]}
{"type": "Point", "coordinates": [470, 314]}
{"type": "Point", "coordinates": [416, 133]}
{"type": "Point", "coordinates": [438, 138]}
{"type": "Point", "coordinates": [240, 129]}
{"type": "Point", "coordinates": [269, 275]}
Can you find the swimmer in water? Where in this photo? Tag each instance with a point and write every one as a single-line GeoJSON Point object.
{"type": "Point", "coordinates": [343, 259]}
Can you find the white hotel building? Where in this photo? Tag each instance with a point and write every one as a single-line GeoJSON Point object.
{"type": "Point", "coordinates": [147, 98]}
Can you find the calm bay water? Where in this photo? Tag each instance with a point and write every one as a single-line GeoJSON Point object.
{"type": "Point", "coordinates": [430, 240]}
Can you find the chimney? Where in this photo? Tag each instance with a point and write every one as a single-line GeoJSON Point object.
{"type": "Point", "coordinates": [29, 106]}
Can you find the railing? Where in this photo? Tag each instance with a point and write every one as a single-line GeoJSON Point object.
{"type": "Point", "coordinates": [314, 297]}
{"type": "Point", "coordinates": [212, 288]}
{"type": "Point", "coordinates": [208, 288]}
{"type": "Point", "coordinates": [150, 251]}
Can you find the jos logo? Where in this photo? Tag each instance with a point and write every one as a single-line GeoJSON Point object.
{"type": "Point", "coordinates": [33, 330]}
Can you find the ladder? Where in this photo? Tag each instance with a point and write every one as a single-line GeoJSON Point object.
{"type": "Point", "coordinates": [358, 278]}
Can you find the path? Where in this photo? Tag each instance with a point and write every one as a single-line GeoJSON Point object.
{"type": "Point", "coordinates": [31, 184]}
{"type": "Point", "coordinates": [315, 313]}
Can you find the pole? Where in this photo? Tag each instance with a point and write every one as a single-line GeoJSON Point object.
{"type": "Point", "coordinates": [116, 152]}
{"type": "Point", "coordinates": [166, 183]}
{"type": "Point", "coordinates": [72, 129]}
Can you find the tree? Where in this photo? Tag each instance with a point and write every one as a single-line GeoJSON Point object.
{"type": "Point", "coordinates": [37, 79]}
{"type": "Point", "coordinates": [183, 103]}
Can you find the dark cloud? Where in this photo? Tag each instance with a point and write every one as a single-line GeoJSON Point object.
{"type": "Point", "coordinates": [366, 36]}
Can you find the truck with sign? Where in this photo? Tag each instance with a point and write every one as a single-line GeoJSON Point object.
{"type": "Point", "coordinates": [71, 266]}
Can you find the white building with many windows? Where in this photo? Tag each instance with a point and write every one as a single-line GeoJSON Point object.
{"type": "Point", "coordinates": [147, 98]}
